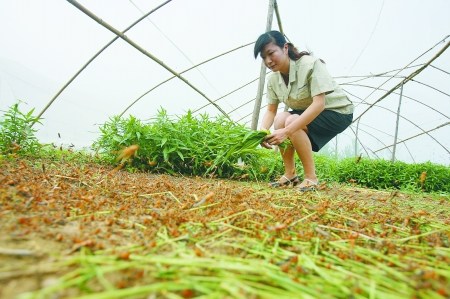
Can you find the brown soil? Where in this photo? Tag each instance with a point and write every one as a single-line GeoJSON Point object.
{"type": "Point", "coordinates": [51, 210]}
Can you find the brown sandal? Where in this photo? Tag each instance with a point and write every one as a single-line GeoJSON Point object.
{"type": "Point", "coordinates": [310, 186]}
{"type": "Point", "coordinates": [294, 181]}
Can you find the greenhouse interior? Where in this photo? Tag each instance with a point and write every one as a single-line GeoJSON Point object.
{"type": "Point", "coordinates": [133, 160]}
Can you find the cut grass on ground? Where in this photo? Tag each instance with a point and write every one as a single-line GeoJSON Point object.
{"type": "Point", "coordinates": [75, 230]}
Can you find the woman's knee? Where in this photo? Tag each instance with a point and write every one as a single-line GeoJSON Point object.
{"type": "Point", "coordinates": [291, 118]}
{"type": "Point", "coordinates": [280, 120]}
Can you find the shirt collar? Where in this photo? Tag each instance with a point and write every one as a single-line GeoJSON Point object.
{"type": "Point", "coordinates": [292, 70]}
{"type": "Point", "coordinates": [292, 73]}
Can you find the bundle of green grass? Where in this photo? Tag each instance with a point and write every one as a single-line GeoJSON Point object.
{"type": "Point", "coordinates": [189, 145]}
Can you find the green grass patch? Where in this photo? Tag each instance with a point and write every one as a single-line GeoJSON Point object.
{"type": "Point", "coordinates": [213, 147]}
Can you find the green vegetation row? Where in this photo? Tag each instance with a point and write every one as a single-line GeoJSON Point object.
{"type": "Point", "coordinates": [185, 145]}
{"type": "Point", "coordinates": [202, 146]}
{"type": "Point", "coordinates": [218, 147]}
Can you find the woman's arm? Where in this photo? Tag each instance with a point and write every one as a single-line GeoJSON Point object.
{"type": "Point", "coordinates": [316, 107]}
{"type": "Point", "coordinates": [267, 121]}
{"type": "Point", "coordinates": [269, 116]}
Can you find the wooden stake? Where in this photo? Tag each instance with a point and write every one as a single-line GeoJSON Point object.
{"type": "Point", "coordinates": [262, 73]}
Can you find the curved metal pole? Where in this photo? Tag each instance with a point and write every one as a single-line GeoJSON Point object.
{"type": "Point", "coordinates": [95, 56]}
{"type": "Point", "coordinates": [411, 122]}
{"type": "Point", "coordinates": [227, 94]}
{"type": "Point", "coordinates": [439, 69]}
{"type": "Point", "coordinates": [362, 145]}
{"type": "Point", "coordinates": [231, 92]}
{"type": "Point", "coordinates": [429, 86]}
{"type": "Point", "coordinates": [401, 77]}
{"type": "Point", "coordinates": [161, 83]}
{"type": "Point", "coordinates": [412, 75]}
{"type": "Point", "coordinates": [374, 152]}
{"type": "Point", "coordinates": [417, 135]}
{"type": "Point", "coordinates": [412, 99]}
{"type": "Point", "coordinates": [405, 67]}
{"type": "Point", "coordinates": [364, 77]}
{"type": "Point", "coordinates": [142, 50]}
{"type": "Point", "coordinates": [242, 105]}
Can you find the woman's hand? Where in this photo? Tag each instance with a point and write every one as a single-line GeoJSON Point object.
{"type": "Point", "coordinates": [265, 144]}
{"type": "Point", "coordinates": [276, 138]}
{"type": "Point", "coordinates": [267, 122]}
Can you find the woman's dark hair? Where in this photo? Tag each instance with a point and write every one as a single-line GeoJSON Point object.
{"type": "Point", "coordinates": [277, 38]}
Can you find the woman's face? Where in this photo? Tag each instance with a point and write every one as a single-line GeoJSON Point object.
{"type": "Point", "coordinates": [276, 58]}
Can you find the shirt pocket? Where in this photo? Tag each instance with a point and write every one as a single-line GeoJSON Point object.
{"type": "Point", "coordinates": [281, 95]}
{"type": "Point", "coordinates": [302, 92]}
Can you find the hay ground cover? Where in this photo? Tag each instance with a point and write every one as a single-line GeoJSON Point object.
{"type": "Point", "coordinates": [84, 230]}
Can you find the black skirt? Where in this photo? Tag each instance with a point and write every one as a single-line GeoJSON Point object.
{"type": "Point", "coordinates": [325, 127]}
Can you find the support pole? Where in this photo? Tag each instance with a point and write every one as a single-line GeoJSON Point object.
{"type": "Point", "coordinates": [280, 27]}
{"type": "Point", "coordinates": [277, 13]}
{"type": "Point", "coordinates": [336, 156]}
{"type": "Point", "coordinates": [396, 124]}
{"type": "Point", "coordinates": [356, 138]}
{"type": "Point", "coordinates": [262, 73]}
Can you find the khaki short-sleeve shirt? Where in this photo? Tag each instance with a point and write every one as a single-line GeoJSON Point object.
{"type": "Point", "coordinates": [308, 77]}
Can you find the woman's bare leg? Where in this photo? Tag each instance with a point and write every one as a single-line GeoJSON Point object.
{"type": "Point", "coordinates": [303, 147]}
{"type": "Point", "coordinates": [288, 153]}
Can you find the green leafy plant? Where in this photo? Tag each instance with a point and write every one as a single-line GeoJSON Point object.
{"type": "Point", "coordinates": [383, 174]}
{"type": "Point", "coordinates": [17, 134]}
{"type": "Point", "coordinates": [206, 146]}
{"type": "Point", "coordinates": [187, 144]}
